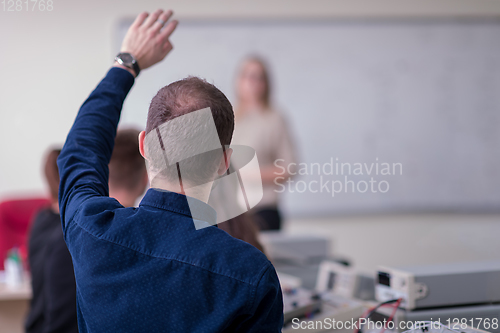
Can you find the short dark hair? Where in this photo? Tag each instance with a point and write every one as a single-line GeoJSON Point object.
{"type": "Point", "coordinates": [188, 95]}
{"type": "Point", "coordinates": [51, 172]}
{"type": "Point", "coordinates": [127, 166]}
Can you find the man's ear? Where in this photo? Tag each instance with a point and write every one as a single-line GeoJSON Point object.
{"type": "Point", "coordinates": [142, 135]}
{"type": "Point", "coordinates": [224, 163]}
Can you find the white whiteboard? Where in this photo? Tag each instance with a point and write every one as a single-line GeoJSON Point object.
{"type": "Point", "coordinates": [424, 94]}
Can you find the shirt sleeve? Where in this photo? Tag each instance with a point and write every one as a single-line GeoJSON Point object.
{"type": "Point", "coordinates": [83, 162]}
{"type": "Point", "coordinates": [267, 314]}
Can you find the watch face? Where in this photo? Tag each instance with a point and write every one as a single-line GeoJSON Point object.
{"type": "Point", "coordinates": [126, 58]}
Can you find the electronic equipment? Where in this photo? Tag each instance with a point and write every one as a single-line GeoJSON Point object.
{"type": "Point", "coordinates": [440, 285]}
{"type": "Point", "coordinates": [433, 327]}
{"type": "Point", "coordinates": [336, 284]}
{"type": "Point", "coordinates": [333, 308]}
{"type": "Point", "coordinates": [294, 248]}
{"type": "Point", "coordinates": [481, 317]}
{"type": "Point", "coordinates": [345, 281]}
{"type": "Point", "coordinates": [296, 255]}
{"type": "Point", "coordinates": [298, 302]}
{"type": "Point", "coordinates": [288, 281]}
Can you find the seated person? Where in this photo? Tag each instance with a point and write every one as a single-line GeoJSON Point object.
{"type": "Point", "coordinates": [44, 224]}
{"type": "Point", "coordinates": [149, 269]}
{"type": "Point", "coordinates": [53, 306]}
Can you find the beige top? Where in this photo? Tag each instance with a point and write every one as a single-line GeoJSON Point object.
{"type": "Point", "coordinates": [266, 132]}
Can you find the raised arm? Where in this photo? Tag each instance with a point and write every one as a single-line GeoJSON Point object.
{"type": "Point", "coordinates": [83, 162]}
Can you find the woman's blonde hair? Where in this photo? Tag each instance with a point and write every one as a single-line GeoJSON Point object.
{"type": "Point", "coordinates": [266, 98]}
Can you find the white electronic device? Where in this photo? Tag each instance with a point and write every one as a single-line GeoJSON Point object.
{"type": "Point", "coordinates": [336, 308]}
{"type": "Point", "coordinates": [344, 281]}
{"type": "Point", "coordinates": [298, 302]}
{"type": "Point", "coordinates": [336, 278]}
{"type": "Point", "coordinates": [337, 284]}
{"type": "Point", "coordinates": [441, 285]}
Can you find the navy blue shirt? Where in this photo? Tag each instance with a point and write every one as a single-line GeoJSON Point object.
{"type": "Point", "coordinates": [148, 269]}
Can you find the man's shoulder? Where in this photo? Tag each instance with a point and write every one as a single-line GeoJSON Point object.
{"type": "Point", "coordinates": [173, 237]}
{"type": "Point", "coordinates": [223, 254]}
{"type": "Point", "coordinates": [98, 204]}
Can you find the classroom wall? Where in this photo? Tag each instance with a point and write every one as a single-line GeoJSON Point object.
{"type": "Point", "coordinates": [405, 240]}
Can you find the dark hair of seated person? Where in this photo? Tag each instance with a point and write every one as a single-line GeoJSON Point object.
{"type": "Point", "coordinates": [243, 227]}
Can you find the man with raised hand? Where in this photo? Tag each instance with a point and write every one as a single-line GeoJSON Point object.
{"type": "Point", "coordinates": [150, 269]}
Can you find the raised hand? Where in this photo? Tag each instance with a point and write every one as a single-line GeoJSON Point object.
{"type": "Point", "coordinates": [147, 39]}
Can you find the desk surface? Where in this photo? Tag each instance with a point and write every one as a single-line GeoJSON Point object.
{"type": "Point", "coordinates": [21, 292]}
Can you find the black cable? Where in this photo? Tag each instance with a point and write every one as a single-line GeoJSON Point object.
{"type": "Point", "coordinates": [375, 309]}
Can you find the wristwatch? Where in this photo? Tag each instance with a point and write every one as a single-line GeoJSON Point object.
{"type": "Point", "coordinates": [128, 60]}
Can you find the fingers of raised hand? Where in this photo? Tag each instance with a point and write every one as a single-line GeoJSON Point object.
{"type": "Point", "coordinates": [167, 31]}
{"type": "Point", "coordinates": [161, 21]}
{"type": "Point", "coordinates": [139, 20]}
{"type": "Point", "coordinates": [150, 21]}
{"type": "Point", "coordinates": [148, 37]}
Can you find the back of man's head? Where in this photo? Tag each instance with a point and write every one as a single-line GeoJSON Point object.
{"type": "Point", "coordinates": [127, 170]}
{"type": "Point", "coordinates": [178, 99]}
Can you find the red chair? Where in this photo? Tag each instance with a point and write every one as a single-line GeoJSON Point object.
{"type": "Point", "coordinates": [15, 219]}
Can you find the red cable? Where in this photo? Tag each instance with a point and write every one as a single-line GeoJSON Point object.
{"type": "Point", "coordinates": [396, 305]}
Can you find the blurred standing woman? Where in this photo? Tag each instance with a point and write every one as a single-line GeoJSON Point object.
{"type": "Point", "coordinates": [260, 126]}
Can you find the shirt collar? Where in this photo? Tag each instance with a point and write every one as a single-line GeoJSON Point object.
{"type": "Point", "coordinates": [178, 203]}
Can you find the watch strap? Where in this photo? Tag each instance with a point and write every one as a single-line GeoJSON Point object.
{"type": "Point", "coordinates": [136, 67]}
{"type": "Point", "coordinates": [133, 65]}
